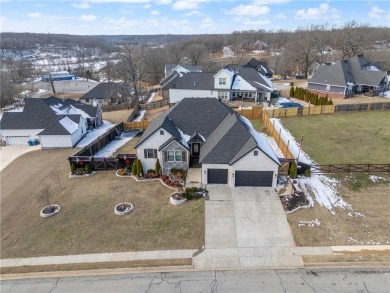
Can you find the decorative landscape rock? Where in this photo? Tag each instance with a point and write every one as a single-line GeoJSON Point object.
{"type": "Point", "coordinates": [49, 211]}
{"type": "Point", "coordinates": [123, 209]}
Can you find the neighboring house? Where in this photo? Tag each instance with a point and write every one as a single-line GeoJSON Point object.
{"type": "Point", "coordinates": [57, 76]}
{"type": "Point", "coordinates": [260, 66]}
{"type": "Point", "coordinates": [56, 123]}
{"type": "Point", "coordinates": [347, 77]}
{"type": "Point", "coordinates": [207, 132]}
{"type": "Point", "coordinates": [228, 83]}
{"type": "Point", "coordinates": [260, 46]}
{"type": "Point", "coordinates": [107, 93]}
{"type": "Point", "coordinates": [171, 68]}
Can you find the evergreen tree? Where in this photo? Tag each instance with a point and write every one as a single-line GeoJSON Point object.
{"type": "Point", "coordinates": [157, 168]}
{"type": "Point", "coordinates": [293, 170]}
{"type": "Point", "coordinates": [140, 171]}
{"type": "Point", "coordinates": [134, 168]}
{"type": "Point", "coordinates": [292, 92]}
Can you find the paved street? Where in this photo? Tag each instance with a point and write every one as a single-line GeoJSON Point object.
{"type": "Point", "coordinates": [270, 281]}
{"type": "Point", "coordinates": [246, 227]}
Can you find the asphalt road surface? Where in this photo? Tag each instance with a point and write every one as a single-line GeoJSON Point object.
{"type": "Point", "coordinates": [298, 280]}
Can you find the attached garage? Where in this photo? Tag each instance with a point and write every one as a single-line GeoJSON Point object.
{"type": "Point", "coordinates": [254, 178]}
{"type": "Point", "coordinates": [217, 176]}
{"type": "Point", "coordinates": [23, 139]}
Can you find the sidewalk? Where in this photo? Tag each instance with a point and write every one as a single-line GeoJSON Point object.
{"type": "Point", "coordinates": [265, 257]}
{"type": "Point", "coordinates": [97, 257]}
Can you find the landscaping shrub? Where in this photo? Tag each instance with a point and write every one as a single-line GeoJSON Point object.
{"type": "Point", "coordinates": [150, 171]}
{"type": "Point", "coordinates": [158, 167]}
{"type": "Point", "coordinates": [191, 193]}
{"type": "Point", "coordinates": [72, 168]}
{"type": "Point", "coordinates": [293, 171]}
{"type": "Point", "coordinates": [87, 169]}
{"type": "Point", "coordinates": [128, 168]}
{"type": "Point", "coordinates": [179, 173]}
{"type": "Point", "coordinates": [307, 173]}
{"type": "Point", "coordinates": [140, 171]}
{"type": "Point", "coordinates": [292, 92]}
{"type": "Point", "coordinates": [134, 167]}
{"type": "Point", "coordinates": [79, 171]}
{"type": "Point", "coordinates": [122, 172]}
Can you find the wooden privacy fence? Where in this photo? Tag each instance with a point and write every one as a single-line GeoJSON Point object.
{"type": "Point", "coordinates": [251, 113]}
{"type": "Point", "coordinates": [154, 105]}
{"type": "Point", "coordinates": [350, 168]}
{"type": "Point", "coordinates": [101, 141]}
{"type": "Point", "coordinates": [276, 134]}
{"type": "Point", "coordinates": [99, 163]}
{"type": "Point", "coordinates": [133, 125]}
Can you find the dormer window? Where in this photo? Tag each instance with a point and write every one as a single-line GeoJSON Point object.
{"type": "Point", "coordinates": [222, 81]}
{"type": "Point", "coordinates": [161, 132]}
{"type": "Point", "coordinates": [256, 153]}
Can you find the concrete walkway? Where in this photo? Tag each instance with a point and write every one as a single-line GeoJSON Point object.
{"type": "Point", "coordinates": [97, 257]}
{"type": "Point", "coordinates": [246, 227]}
{"type": "Point", "coordinates": [194, 177]}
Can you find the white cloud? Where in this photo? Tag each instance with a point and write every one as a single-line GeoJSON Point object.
{"type": "Point", "coordinates": [376, 12]}
{"type": "Point", "coordinates": [81, 5]}
{"type": "Point", "coordinates": [193, 12]}
{"type": "Point", "coordinates": [88, 17]}
{"type": "Point", "coordinates": [207, 23]}
{"type": "Point", "coordinates": [268, 2]}
{"type": "Point", "coordinates": [155, 12]}
{"type": "Point", "coordinates": [250, 22]}
{"type": "Point", "coordinates": [281, 16]}
{"type": "Point", "coordinates": [313, 13]}
{"type": "Point", "coordinates": [147, 6]}
{"type": "Point", "coordinates": [34, 14]}
{"type": "Point", "coordinates": [249, 10]}
{"type": "Point", "coordinates": [185, 5]}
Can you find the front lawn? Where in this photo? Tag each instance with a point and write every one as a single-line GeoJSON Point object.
{"type": "Point", "coordinates": [355, 138]}
{"type": "Point", "coordinates": [86, 222]}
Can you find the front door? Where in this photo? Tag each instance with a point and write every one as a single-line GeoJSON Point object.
{"type": "Point", "coordinates": [195, 149]}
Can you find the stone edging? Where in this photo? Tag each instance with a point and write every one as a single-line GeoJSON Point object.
{"type": "Point", "coordinates": [57, 209]}
{"type": "Point", "coordinates": [176, 202]}
{"type": "Point", "coordinates": [81, 176]}
{"type": "Point", "coordinates": [126, 211]}
{"type": "Point", "coordinates": [146, 180]}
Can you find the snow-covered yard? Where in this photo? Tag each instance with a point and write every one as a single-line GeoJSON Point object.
{"type": "Point", "coordinates": [109, 149]}
{"type": "Point", "coordinates": [94, 134]}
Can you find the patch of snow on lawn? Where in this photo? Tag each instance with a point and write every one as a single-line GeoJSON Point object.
{"type": "Point", "coordinates": [385, 94]}
{"type": "Point", "coordinates": [273, 145]}
{"type": "Point", "coordinates": [150, 98]}
{"type": "Point", "coordinates": [375, 178]}
{"type": "Point", "coordinates": [309, 223]}
{"type": "Point", "coordinates": [94, 134]}
{"type": "Point", "coordinates": [324, 189]}
{"type": "Point", "coordinates": [293, 145]}
{"type": "Point", "coordinates": [109, 149]}
{"type": "Point", "coordinates": [140, 116]}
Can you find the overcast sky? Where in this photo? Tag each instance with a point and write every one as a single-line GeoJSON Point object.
{"type": "Point", "coordinates": [112, 17]}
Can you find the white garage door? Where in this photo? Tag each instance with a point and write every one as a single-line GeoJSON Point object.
{"type": "Point", "coordinates": [17, 139]}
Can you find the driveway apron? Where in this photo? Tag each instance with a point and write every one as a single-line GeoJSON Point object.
{"type": "Point", "coordinates": [246, 227]}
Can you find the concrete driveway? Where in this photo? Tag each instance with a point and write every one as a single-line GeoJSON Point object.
{"type": "Point", "coordinates": [246, 227]}
{"type": "Point", "coordinates": [11, 152]}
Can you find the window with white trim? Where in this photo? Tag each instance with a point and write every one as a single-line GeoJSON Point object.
{"type": "Point", "coordinates": [256, 153]}
{"type": "Point", "coordinates": [223, 95]}
{"type": "Point", "coordinates": [222, 81]}
{"type": "Point", "coordinates": [174, 156]}
{"type": "Point", "coordinates": [150, 153]}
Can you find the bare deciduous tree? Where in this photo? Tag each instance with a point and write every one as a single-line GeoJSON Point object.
{"type": "Point", "coordinates": [196, 53]}
{"type": "Point", "coordinates": [56, 174]}
{"type": "Point", "coordinates": [46, 195]}
{"type": "Point", "coordinates": [122, 190]}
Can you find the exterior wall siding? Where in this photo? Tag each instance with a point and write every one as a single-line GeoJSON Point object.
{"type": "Point", "coordinates": [176, 95]}
{"type": "Point", "coordinates": [31, 133]}
{"type": "Point", "coordinates": [167, 166]}
{"type": "Point", "coordinates": [56, 141]}
{"type": "Point", "coordinates": [222, 74]}
{"type": "Point", "coordinates": [250, 162]}
{"type": "Point", "coordinates": [153, 142]}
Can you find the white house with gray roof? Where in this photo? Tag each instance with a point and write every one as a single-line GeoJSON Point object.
{"type": "Point", "coordinates": [227, 84]}
{"type": "Point", "coordinates": [55, 122]}
{"type": "Point", "coordinates": [207, 132]}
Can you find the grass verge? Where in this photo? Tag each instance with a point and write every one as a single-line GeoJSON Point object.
{"type": "Point", "coordinates": [98, 266]}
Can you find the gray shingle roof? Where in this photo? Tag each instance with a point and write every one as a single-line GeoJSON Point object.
{"type": "Point", "coordinates": [192, 81]}
{"type": "Point", "coordinates": [354, 70]}
{"type": "Point", "coordinates": [255, 79]}
{"type": "Point", "coordinates": [106, 90]}
{"type": "Point", "coordinates": [228, 137]}
{"type": "Point", "coordinates": [260, 66]}
{"type": "Point", "coordinates": [57, 128]}
{"type": "Point", "coordinates": [190, 68]}
{"type": "Point", "coordinates": [89, 109]}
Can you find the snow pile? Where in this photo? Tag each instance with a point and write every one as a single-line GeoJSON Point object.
{"type": "Point", "coordinates": [150, 98]}
{"type": "Point", "coordinates": [324, 190]}
{"type": "Point", "coordinates": [95, 133]}
{"type": "Point", "coordinates": [271, 141]}
{"type": "Point", "coordinates": [109, 149]}
{"type": "Point", "coordinates": [375, 178]}
{"type": "Point", "coordinates": [184, 138]}
{"type": "Point", "coordinates": [385, 94]}
{"type": "Point", "coordinates": [293, 145]}
{"type": "Point", "coordinates": [312, 223]}
{"type": "Point", "coordinates": [140, 116]}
